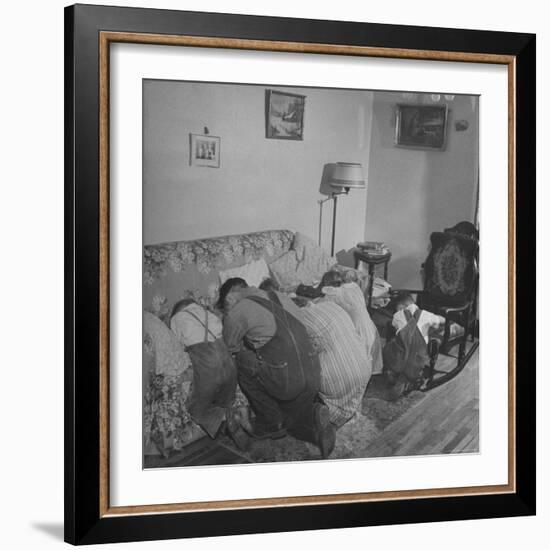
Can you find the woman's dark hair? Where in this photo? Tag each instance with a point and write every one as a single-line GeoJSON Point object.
{"type": "Point", "coordinates": [331, 278]}
{"type": "Point", "coordinates": [268, 284]}
{"type": "Point", "coordinates": [227, 287]}
{"type": "Point", "coordinates": [181, 305]}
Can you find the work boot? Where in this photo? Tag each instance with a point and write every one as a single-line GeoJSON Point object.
{"type": "Point", "coordinates": [266, 431]}
{"type": "Point", "coordinates": [235, 431]}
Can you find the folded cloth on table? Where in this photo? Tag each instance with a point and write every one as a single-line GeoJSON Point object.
{"type": "Point", "coordinates": [380, 293]}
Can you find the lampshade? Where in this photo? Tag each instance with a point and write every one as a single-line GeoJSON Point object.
{"type": "Point", "coordinates": [348, 175]}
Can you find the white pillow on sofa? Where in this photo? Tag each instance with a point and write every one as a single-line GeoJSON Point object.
{"type": "Point", "coordinates": [162, 344]}
{"type": "Point", "coordinates": [283, 270]}
{"type": "Point", "coordinates": [253, 273]}
{"type": "Point", "coordinates": [313, 261]}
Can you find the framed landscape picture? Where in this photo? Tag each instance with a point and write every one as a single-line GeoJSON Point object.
{"type": "Point", "coordinates": [164, 260]}
{"type": "Point", "coordinates": [284, 115]}
{"type": "Point", "coordinates": [421, 126]}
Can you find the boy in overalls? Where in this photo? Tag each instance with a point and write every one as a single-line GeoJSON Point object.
{"type": "Point", "coordinates": [406, 355]}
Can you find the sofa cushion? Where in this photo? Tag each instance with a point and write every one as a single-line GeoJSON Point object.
{"type": "Point", "coordinates": [312, 260]}
{"type": "Point", "coordinates": [283, 270]}
{"type": "Point", "coordinates": [160, 342]}
{"type": "Point", "coordinates": [253, 272]}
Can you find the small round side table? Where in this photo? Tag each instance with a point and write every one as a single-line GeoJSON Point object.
{"type": "Point", "coordinates": [372, 260]}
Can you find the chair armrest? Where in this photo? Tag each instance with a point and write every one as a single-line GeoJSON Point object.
{"type": "Point", "coordinates": [458, 309]}
{"type": "Point", "coordinates": [406, 291]}
{"type": "Point", "coordinates": [433, 347]}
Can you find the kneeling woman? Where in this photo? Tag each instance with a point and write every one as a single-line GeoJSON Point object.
{"type": "Point", "coordinates": [345, 367]}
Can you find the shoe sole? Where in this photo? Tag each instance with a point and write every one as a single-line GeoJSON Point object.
{"type": "Point", "coordinates": [238, 436]}
{"type": "Point", "coordinates": [272, 435]}
{"type": "Point", "coordinates": [279, 434]}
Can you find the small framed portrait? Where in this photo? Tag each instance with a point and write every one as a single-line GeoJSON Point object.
{"type": "Point", "coordinates": [421, 126]}
{"type": "Point", "coordinates": [284, 115]}
{"type": "Point", "coordinates": [204, 150]}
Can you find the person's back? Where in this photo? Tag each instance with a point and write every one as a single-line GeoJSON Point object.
{"type": "Point", "coordinates": [288, 355]}
{"type": "Point", "coordinates": [188, 324]}
{"type": "Point", "coordinates": [214, 373]}
{"type": "Point", "coordinates": [406, 355]}
{"type": "Point", "coordinates": [248, 319]}
{"type": "Point", "coordinates": [345, 366]}
{"type": "Point", "coordinates": [350, 297]}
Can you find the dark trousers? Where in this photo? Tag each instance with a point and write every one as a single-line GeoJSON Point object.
{"type": "Point", "coordinates": [214, 384]}
{"type": "Point", "coordinates": [296, 414]}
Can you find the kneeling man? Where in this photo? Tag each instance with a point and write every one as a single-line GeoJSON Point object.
{"type": "Point", "coordinates": [277, 369]}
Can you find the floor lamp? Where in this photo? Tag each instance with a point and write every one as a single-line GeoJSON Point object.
{"type": "Point", "coordinates": [346, 176]}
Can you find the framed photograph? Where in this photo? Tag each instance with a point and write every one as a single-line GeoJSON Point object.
{"type": "Point", "coordinates": [421, 126]}
{"type": "Point", "coordinates": [284, 115]}
{"type": "Point", "coordinates": [204, 150]}
{"type": "Point", "coordinates": [201, 399]}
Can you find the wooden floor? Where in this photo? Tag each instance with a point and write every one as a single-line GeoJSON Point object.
{"type": "Point", "coordinates": [446, 421]}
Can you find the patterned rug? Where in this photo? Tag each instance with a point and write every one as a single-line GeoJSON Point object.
{"type": "Point", "coordinates": [354, 436]}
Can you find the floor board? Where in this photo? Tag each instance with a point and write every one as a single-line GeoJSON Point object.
{"type": "Point", "coordinates": [446, 421]}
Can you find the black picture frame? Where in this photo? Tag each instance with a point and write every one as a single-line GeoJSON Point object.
{"type": "Point", "coordinates": [421, 126]}
{"type": "Point", "coordinates": [294, 105]}
{"type": "Point", "coordinates": [88, 518]}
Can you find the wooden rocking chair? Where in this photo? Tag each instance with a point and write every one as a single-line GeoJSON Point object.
{"type": "Point", "coordinates": [451, 276]}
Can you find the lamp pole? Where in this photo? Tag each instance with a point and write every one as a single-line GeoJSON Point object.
{"type": "Point", "coordinates": [335, 198]}
{"type": "Point", "coordinates": [344, 176]}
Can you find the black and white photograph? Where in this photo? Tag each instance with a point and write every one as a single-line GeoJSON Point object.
{"type": "Point", "coordinates": [312, 301]}
{"type": "Point", "coordinates": [422, 126]}
{"type": "Point", "coordinates": [284, 115]}
{"type": "Point", "coordinates": [204, 150]}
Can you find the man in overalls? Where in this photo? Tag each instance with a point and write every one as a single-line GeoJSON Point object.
{"type": "Point", "coordinates": [277, 369]}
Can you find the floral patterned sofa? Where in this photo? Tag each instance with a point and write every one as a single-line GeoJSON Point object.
{"type": "Point", "coordinates": [190, 269]}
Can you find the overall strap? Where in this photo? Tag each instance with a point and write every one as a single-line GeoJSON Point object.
{"type": "Point", "coordinates": [268, 304]}
{"type": "Point", "coordinates": [206, 329]}
{"type": "Point", "coordinates": [282, 318]}
{"type": "Point", "coordinates": [274, 298]}
{"type": "Point", "coordinates": [271, 306]}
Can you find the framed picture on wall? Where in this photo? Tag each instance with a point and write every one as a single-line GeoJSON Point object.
{"type": "Point", "coordinates": [421, 126]}
{"type": "Point", "coordinates": [204, 150]}
{"type": "Point", "coordinates": [114, 252]}
{"type": "Point", "coordinates": [284, 115]}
